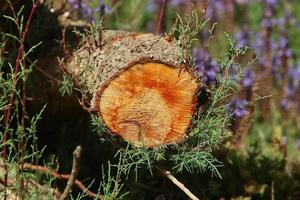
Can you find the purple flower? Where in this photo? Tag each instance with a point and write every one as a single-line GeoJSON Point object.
{"type": "Point", "coordinates": [283, 42]}
{"type": "Point", "coordinates": [294, 76]}
{"type": "Point", "coordinates": [272, 2]}
{"type": "Point", "coordinates": [298, 144]}
{"type": "Point", "coordinates": [257, 43]}
{"type": "Point", "coordinates": [276, 63]}
{"type": "Point", "coordinates": [285, 104]}
{"type": "Point", "coordinates": [211, 73]}
{"type": "Point", "coordinates": [152, 6]}
{"type": "Point", "coordinates": [214, 9]}
{"type": "Point", "coordinates": [242, 37]}
{"type": "Point", "coordinates": [207, 67]}
{"type": "Point", "coordinates": [233, 71]}
{"type": "Point", "coordinates": [237, 107]}
{"type": "Point", "coordinates": [220, 5]}
{"type": "Point", "coordinates": [105, 7]}
{"type": "Point", "coordinates": [200, 54]}
{"type": "Point", "coordinates": [289, 91]}
{"type": "Point", "coordinates": [281, 22]}
{"type": "Point", "coordinates": [267, 23]}
{"type": "Point", "coordinates": [248, 80]}
{"type": "Point", "coordinates": [74, 4]}
{"type": "Point", "coordinates": [87, 11]}
{"type": "Point", "coordinates": [177, 2]}
{"type": "Point", "coordinates": [284, 49]}
{"type": "Point", "coordinates": [291, 88]}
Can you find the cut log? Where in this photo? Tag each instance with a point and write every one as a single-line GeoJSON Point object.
{"type": "Point", "coordinates": [138, 86]}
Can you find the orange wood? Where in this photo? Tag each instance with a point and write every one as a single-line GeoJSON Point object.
{"type": "Point", "coordinates": [149, 104]}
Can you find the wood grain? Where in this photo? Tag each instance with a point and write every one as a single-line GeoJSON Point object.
{"type": "Point", "coordinates": [149, 104]}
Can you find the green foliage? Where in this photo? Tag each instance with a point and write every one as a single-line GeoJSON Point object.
{"type": "Point", "coordinates": [257, 173]}
{"type": "Point", "coordinates": [21, 140]}
{"type": "Point", "coordinates": [195, 162]}
{"type": "Point", "coordinates": [110, 185]}
{"type": "Point", "coordinates": [5, 89]}
{"type": "Point", "coordinates": [210, 127]}
{"type": "Point", "coordinates": [132, 159]}
{"type": "Point", "coordinates": [96, 30]}
{"type": "Point", "coordinates": [98, 127]}
{"type": "Point", "coordinates": [93, 33]}
{"type": "Point", "coordinates": [67, 85]}
{"type": "Point", "coordinates": [134, 20]}
{"type": "Point", "coordinates": [185, 31]}
{"type": "Point", "coordinates": [30, 134]}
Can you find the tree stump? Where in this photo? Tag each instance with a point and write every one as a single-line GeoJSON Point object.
{"type": "Point", "coordinates": [138, 86]}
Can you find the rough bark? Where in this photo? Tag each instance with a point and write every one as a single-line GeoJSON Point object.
{"type": "Point", "coordinates": [119, 49]}
{"type": "Point", "coordinates": [137, 85]}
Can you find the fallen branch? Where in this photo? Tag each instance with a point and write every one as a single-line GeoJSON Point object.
{"type": "Point", "coordinates": [53, 173]}
{"type": "Point", "coordinates": [31, 186]}
{"type": "Point", "coordinates": [181, 186]}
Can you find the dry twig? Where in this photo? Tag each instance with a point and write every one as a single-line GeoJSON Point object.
{"type": "Point", "coordinates": [181, 186]}
{"type": "Point", "coordinates": [74, 172]}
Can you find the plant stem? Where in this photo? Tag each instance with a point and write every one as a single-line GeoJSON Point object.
{"type": "Point", "coordinates": [162, 13]}
{"type": "Point", "coordinates": [12, 95]}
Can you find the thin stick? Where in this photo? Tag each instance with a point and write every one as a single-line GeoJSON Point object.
{"type": "Point", "coordinates": [74, 172]}
{"type": "Point", "coordinates": [162, 13]}
{"type": "Point", "coordinates": [181, 186]}
{"type": "Point", "coordinates": [64, 43]}
{"type": "Point", "coordinates": [53, 173]}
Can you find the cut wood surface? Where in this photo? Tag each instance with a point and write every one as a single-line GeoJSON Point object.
{"type": "Point", "coordinates": [149, 103]}
{"type": "Point", "coordinates": [138, 86]}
